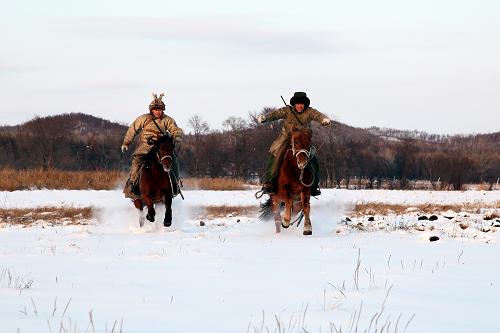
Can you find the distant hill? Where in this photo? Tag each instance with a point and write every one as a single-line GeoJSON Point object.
{"type": "Point", "coordinates": [80, 125]}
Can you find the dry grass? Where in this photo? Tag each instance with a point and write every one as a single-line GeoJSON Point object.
{"type": "Point", "coordinates": [386, 209]}
{"type": "Point", "coordinates": [211, 212]}
{"type": "Point", "coordinates": [222, 211]}
{"type": "Point", "coordinates": [53, 215]}
{"type": "Point", "coordinates": [214, 184]}
{"type": "Point", "coordinates": [12, 180]}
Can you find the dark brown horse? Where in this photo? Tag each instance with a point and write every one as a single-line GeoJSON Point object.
{"type": "Point", "coordinates": [295, 178]}
{"type": "Point", "coordinates": [157, 181]}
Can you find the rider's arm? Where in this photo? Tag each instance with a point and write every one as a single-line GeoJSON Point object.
{"type": "Point", "coordinates": [277, 114]}
{"type": "Point", "coordinates": [172, 127]}
{"type": "Point", "coordinates": [134, 129]}
{"type": "Point", "coordinates": [317, 116]}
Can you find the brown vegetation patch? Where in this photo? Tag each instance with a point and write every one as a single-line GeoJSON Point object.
{"type": "Point", "coordinates": [53, 215]}
{"type": "Point", "coordinates": [214, 184]}
{"type": "Point", "coordinates": [13, 180]}
{"type": "Point", "coordinates": [224, 211]}
{"type": "Point", "coordinates": [386, 209]}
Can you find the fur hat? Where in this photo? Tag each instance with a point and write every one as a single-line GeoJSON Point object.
{"type": "Point", "coordinates": [157, 103]}
{"type": "Point", "coordinates": [300, 97]}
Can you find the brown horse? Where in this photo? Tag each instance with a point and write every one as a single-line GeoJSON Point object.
{"type": "Point", "coordinates": [157, 183]}
{"type": "Point", "coordinates": [294, 182]}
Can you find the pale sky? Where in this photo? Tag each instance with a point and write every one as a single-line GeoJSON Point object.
{"type": "Point", "coordinates": [426, 65]}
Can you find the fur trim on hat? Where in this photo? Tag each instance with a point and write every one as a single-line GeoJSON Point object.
{"type": "Point", "coordinates": [157, 103]}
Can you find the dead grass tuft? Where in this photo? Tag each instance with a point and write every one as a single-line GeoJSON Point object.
{"type": "Point", "coordinates": [53, 215]}
{"type": "Point", "coordinates": [13, 180]}
{"type": "Point", "coordinates": [214, 184]}
{"type": "Point", "coordinates": [386, 209]}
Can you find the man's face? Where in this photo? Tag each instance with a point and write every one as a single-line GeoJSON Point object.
{"type": "Point", "coordinates": [299, 107]}
{"type": "Point", "coordinates": [157, 113]}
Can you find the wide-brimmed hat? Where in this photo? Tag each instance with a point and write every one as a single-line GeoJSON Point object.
{"type": "Point", "coordinates": [300, 97]}
{"type": "Point", "coordinates": [157, 103]}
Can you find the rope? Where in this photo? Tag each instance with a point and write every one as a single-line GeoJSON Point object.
{"type": "Point", "coordinates": [259, 194]}
{"type": "Point", "coordinates": [298, 219]}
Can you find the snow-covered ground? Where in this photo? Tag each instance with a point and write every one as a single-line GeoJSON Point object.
{"type": "Point", "coordinates": [236, 275]}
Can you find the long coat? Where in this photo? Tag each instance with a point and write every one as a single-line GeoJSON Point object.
{"type": "Point", "coordinates": [292, 118]}
{"type": "Point", "coordinates": [146, 127]}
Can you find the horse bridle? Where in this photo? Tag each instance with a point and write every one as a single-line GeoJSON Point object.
{"type": "Point", "coordinates": [309, 155]}
{"type": "Point", "coordinates": [301, 151]}
{"type": "Point", "coordinates": [160, 159]}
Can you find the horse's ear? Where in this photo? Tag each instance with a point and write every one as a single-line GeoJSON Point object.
{"type": "Point", "coordinates": [309, 132]}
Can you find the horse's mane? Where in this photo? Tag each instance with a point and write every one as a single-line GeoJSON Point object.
{"type": "Point", "coordinates": [151, 156]}
{"type": "Point", "coordinates": [165, 138]}
{"type": "Point", "coordinates": [304, 131]}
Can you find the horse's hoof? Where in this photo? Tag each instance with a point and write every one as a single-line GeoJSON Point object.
{"type": "Point", "coordinates": [285, 226]}
{"type": "Point", "coordinates": [150, 218]}
{"type": "Point", "coordinates": [307, 232]}
{"type": "Point", "coordinates": [167, 223]}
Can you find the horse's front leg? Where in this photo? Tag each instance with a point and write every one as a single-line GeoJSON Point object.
{"type": "Point", "coordinates": [167, 221]}
{"type": "Point", "coordinates": [139, 205]}
{"type": "Point", "coordinates": [288, 212]}
{"type": "Point", "coordinates": [151, 209]}
{"type": "Point", "coordinates": [306, 208]}
{"type": "Point", "coordinates": [277, 214]}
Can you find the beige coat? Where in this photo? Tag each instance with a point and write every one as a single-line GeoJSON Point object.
{"type": "Point", "coordinates": [290, 117]}
{"type": "Point", "coordinates": [146, 127]}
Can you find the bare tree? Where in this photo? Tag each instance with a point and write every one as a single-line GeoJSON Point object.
{"type": "Point", "coordinates": [200, 127]}
{"type": "Point", "coordinates": [49, 135]}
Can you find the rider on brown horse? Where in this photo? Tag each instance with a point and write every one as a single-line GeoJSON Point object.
{"type": "Point", "coordinates": [300, 115]}
{"type": "Point", "coordinates": [152, 125]}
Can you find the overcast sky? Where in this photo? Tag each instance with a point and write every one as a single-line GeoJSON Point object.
{"type": "Point", "coordinates": [430, 65]}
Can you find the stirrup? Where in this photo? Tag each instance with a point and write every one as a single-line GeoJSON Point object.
{"type": "Point", "coordinates": [180, 185]}
{"type": "Point", "coordinates": [259, 194]}
{"type": "Point", "coordinates": [264, 190]}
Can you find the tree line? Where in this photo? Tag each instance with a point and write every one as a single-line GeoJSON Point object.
{"type": "Point", "coordinates": [365, 158]}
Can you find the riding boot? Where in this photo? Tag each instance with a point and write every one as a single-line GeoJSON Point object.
{"type": "Point", "coordinates": [134, 189]}
{"type": "Point", "coordinates": [268, 179]}
{"type": "Point", "coordinates": [175, 171]}
{"type": "Point", "coordinates": [267, 188]}
{"type": "Point", "coordinates": [135, 172]}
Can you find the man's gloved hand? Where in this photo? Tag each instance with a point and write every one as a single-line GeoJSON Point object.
{"type": "Point", "coordinates": [124, 148]}
{"type": "Point", "coordinates": [326, 122]}
{"type": "Point", "coordinates": [261, 119]}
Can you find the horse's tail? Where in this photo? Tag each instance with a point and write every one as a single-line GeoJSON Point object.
{"type": "Point", "coordinates": [266, 210]}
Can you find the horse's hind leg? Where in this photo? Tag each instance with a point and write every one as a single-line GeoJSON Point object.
{"type": "Point", "coordinates": [277, 215]}
{"type": "Point", "coordinates": [167, 221]}
{"type": "Point", "coordinates": [306, 208]}
{"type": "Point", "coordinates": [151, 209]}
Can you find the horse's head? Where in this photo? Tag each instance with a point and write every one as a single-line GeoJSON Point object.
{"type": "Point", "coordinates": [301, 145]}
{"type": "Point", "coordinates": [164, 147]}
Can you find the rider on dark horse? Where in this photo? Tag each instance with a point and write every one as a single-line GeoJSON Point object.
{"type": "Point", "coordinates": [300, 115]}
{"type": "Point", "coordinates": [151, 125]}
